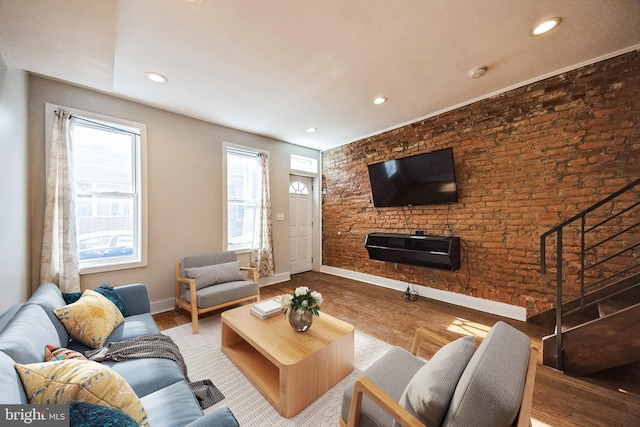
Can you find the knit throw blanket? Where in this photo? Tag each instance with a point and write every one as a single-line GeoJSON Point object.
{"type": "Point", "coordinates": [155, 345]}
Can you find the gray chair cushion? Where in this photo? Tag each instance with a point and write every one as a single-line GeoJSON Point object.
{"type": "Point", "coordinates": [208, 259]}
{"type": "Point", "coordinates": [430, 390]}
{"type": "Point", "coordinates": [214, 274]}
{"type": "Point", "coordinates": [392, 372]}
{"type": "Point", "coordinates": [489, 392]}
{"type": "Point", "coordinates": [222, 293]}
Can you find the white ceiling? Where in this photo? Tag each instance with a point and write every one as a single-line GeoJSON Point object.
{"type": "Point", "coordinates": [277, 67]}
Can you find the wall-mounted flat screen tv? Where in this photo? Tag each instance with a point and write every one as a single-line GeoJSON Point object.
{"type": "Point", "coordinates": [423, 179]}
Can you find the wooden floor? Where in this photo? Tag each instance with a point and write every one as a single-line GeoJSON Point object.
{"type": "Point", "coordinates": [559, 400]}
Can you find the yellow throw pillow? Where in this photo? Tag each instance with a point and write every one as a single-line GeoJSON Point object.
{"type": "Point", "coordinates": [91, 319]}
{"type": "Point", "coordinates": [69, 381]}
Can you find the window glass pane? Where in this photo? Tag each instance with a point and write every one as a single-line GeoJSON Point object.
{"type": "Point", "coordinates": [243, 182]}
{"type": "Point", "coordinates": [103, 159]}
{"type": "Point", "coordinates": [302, 163]}
{"type": "Point", "coordinates": [106, 200]}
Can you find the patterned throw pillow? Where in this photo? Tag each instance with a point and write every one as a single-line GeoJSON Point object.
{"type": "Point", "coordinates": [105, 290]}
{"type": "Point", "coordinates": [83, 414]}
{"type": "Point", "coordinates": [69, 381]}
{"type": "Point", "coordinates": [53, 353]}
{"type": "Point", "coordinates": [91, 319]}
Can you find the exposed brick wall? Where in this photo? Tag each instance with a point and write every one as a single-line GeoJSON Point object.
{"type": "Point", "coordinates": [525, 161]}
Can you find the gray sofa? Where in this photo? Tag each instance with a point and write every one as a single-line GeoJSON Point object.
{"type": "Point", "coordinates": [25, 330]}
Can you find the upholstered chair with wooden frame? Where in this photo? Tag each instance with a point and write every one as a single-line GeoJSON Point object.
{"type": "Point", "coordinates": [490, 386]}
{"type": "Point", "coordinates": [213, 281]}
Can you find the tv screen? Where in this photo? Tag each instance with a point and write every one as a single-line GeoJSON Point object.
{"type": "Point", "coordinates": [423, 179]}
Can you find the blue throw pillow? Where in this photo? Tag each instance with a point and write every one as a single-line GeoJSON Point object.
{"type": "Point", "coordinates": [106, 291]}
{"type": "Point", "coordinates": [113, 296]}
{"type": "Point", "coordinates": [83, 414]}
{"type": "Point", "coordinates": [71, 297]}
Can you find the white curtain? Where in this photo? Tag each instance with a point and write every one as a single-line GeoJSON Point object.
{"type": "Point", "coordinates": [262, 246]}
{"type": "Point", "coordinates": [59, 262]}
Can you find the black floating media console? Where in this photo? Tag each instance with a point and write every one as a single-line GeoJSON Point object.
{"type": "Point", "coordinates": [429, 251]}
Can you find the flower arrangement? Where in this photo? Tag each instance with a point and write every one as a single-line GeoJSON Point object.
{"type": "Point", "coordinates": [302, 299]}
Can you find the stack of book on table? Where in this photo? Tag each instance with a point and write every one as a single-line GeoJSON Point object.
{"type": "Point", "coordinates": [267, 308]}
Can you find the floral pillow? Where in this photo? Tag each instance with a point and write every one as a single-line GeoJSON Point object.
{"type": "Point", "coordinates": [69, 381]}
{"type": "Point", "coordinates": [91, 319]}
{"type": "Point", "coordinates": [53, 353]}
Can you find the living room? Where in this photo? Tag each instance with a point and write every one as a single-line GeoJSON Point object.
{"type": "Point", "coordinates": [526, 159]}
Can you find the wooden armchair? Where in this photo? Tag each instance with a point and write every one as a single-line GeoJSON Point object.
{"type": "Point", "coordinates": [391, 407]}
{"type": "Point", "coordinates": [212, 281]}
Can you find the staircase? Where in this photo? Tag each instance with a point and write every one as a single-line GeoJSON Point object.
{"type": "Point", "coordinates": [595, 256]}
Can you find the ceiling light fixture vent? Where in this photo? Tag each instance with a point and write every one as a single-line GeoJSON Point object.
{"type": "Point", "coordinates": [545, 26]}
{"type": "Point", "coordinates": [380, 100]}
{"type": "Point", "coordinates": [478, 72]}
{"type": "Point", "coordinates": [311, 129]}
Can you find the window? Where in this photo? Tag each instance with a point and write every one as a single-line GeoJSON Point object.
{"type": "Point", "coordinates": [305, 164]}
{"type": "Point", "coordinates": [298, 187]}
{"type": "Point", "coordinates": [243, 185]}
{"type": "Point", "coordinates": [107, 168]}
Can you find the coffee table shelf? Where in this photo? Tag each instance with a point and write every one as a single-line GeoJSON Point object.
{"type": "Point", "coordinates": [291, 369]}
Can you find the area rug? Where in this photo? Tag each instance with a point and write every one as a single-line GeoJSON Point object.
{"type": "Point", "coordinates": [205, 360]}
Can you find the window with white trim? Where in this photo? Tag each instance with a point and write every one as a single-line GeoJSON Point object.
{"type": "Point", "coordinates": [305, 164]}
{"type": "Point", "coordinates": [243, 186]}
{"type": "Point", "coordinates": [107, 168]}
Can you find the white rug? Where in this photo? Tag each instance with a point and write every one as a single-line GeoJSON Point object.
{"type": "Point", "coordinates": [205, 360]}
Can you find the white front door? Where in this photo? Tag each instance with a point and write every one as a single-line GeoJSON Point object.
{"type": "Point", "coordinates": [300, 223]}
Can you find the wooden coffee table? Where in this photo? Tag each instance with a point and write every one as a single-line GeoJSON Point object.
{"type": "Point", "coordinates": [291, 369]}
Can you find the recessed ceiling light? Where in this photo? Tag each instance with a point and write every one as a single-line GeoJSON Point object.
{"type": "Point", "coordinates": [546, 26]}
{"type": "Point", "coordinates": [380, 100]}
{"type": "Point", "coordinates": [156, 77]}
{"type": "Point", "coordinates": [311, 129]}
{"type": "Point", "coordinates": [478, 72]}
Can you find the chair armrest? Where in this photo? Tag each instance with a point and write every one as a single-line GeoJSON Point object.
{"type": "Point", "coordinates": [135, 296]}
{"type": "Point", "coordinates": [364, 386]}
{"type": "Point", "coordinates": [253, 271]}
{"type": "Point", "coordinates": [424, 334]}
{"type": "Point", "coordinates": [524, 415]}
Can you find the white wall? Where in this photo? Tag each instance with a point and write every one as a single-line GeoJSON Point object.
{"type": "Point", "coordinates": [14, 257]}
{"type": "Point", "coordinates": [184, 183]}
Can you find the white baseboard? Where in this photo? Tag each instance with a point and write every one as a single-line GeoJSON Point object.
{"type": "Point", "coordinates": [162, 305]}
{"type": "Point", "coordinates": [487, 306]}
{"type": "Point", "coordinates": [168, 304]}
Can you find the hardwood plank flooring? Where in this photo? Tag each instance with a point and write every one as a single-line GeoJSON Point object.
{"type": "Point", "coordinates": [559, 400]}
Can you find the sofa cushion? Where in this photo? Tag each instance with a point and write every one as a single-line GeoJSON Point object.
{"type": "Point", "coordinates": [429, 392]}
{"type": "Point", "coordinates": [215, 274]}
{"type": "Point", "coordinates": [26, 335]}
{"type": "Point", "coordinates": [91, 319]}
{"type": "Point", "coordinates": [11, 390]}
{"type": "Point", "coordinates": [147, 375]}
{"type": "Point", "coordinates": [182, 410]}
{"type": "Point", "coordinates": [53, 353]}
{"type": "Point", "coordinates": [83, 414]}
{"type": "Point", "coordinates": [49, 296]}
{"type": "Point", "coordinates": [68, 381]}
{"type": "Point", "coordinates": [489, 392]}
{"type": "Point", "coordinates": [395, 369]}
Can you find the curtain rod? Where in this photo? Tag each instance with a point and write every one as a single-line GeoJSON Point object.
{"type": "Point", "coordinates": [103, 125]}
